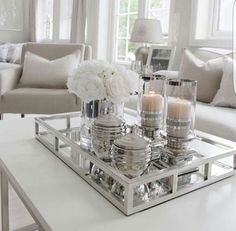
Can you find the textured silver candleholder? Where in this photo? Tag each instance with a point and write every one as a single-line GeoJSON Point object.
{"type": "Point", "coordinates": [177, 150]}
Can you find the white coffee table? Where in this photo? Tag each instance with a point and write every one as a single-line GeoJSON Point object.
{"type": "Point", "coordinates": [58, 199]}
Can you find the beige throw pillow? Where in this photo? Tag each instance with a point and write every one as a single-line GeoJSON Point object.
{"type": "Point", "coordinates": [208, 74]}
{"type": "Point", "coordinates": [39, 72]}
{"type": "Point", "coordinates": [226, 96]}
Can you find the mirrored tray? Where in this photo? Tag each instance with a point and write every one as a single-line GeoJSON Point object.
{"type": "Point", "coordinates": [214, 160]}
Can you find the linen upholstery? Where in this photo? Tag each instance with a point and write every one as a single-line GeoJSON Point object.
{"type": "Point", "coordinates": [220, 121]}
{"type": "Point", "coordinates": [88, 52]}
{"type": "Point", "coordinates": [9, 79]}
{"type": "Point", "coordinates": [14, 99]}
{"type": "Point", "coordinates": [39, 101]}
{"type": "Point", "coordinates": [208, 75]}
{"type": "Point", "coordinates": [226, 96]}
{"type": "Point", "coordinates": [52, 51]}
{"type": "Point", "coordinates": [50, 73]}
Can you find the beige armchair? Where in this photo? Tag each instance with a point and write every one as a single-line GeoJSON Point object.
{"type": "Point", "coordinates": [14, 99]}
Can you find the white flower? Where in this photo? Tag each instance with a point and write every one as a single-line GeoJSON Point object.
{"type": "Point", "coordinates": [95, 80]}
{"type": "Point", "coordinates": [133, 79]}
{"type": "Point", "coordinates": [88, 86]}
{"type": "Point", "coordinates": [118, 89]}
{"type": "Point", "coordinates": [130, 76]}
{"type": "Point", "coordinates": [95, 66]}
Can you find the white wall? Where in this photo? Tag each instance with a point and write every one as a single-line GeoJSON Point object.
{"type": "Point", "coordinates": [18, 36]}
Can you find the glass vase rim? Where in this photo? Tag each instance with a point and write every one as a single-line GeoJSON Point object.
{"type": "Point", "coordinates": [153, 76]}
{"type": "Point", "coordinates": [181, 82]}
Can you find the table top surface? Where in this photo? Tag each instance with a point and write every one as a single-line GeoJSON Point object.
{"type": "Point", "coordinates": [64, 201]}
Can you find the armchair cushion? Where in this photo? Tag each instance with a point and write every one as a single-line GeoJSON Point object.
{"type": "Point", "coordinates": [39, 101]}
{"type": "Point", "coordinates": [43, 73]}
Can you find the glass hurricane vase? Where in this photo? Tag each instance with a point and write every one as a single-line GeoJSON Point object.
{"type": "Point", "coordinates": [90, 111]}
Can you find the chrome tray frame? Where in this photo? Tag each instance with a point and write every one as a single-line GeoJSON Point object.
{"type": "Point", "coordinates": [219, 164]}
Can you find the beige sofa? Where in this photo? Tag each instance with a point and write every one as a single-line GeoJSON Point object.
{"type": "Point", "coordinates": [14, 99]}
{"type": "Point", "coordinates": [219, 121]}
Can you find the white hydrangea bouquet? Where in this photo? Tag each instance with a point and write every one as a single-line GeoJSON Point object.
{"type": "Point", "coordinates": [98, 80]}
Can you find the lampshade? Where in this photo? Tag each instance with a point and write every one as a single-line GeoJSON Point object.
{"type": "Point", "coordinates": [147, 31]}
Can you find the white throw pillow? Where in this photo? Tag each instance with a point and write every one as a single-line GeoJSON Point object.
{"type": "Point", "coordinates": [208, 74]}
{"type": "Point", "coordinates": [226, 96]}
{"type": "Point", "coordinates": [16, 56]}
{"type": "Point", "coordinates": [14, 52]}
{"type": "Point", "coordinates": [3, 53]}
{"type": "Point", "coordinates": [39, 72]}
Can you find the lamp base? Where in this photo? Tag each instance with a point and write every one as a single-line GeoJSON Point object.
{"type": "Point", "coordinates": [141, 54]}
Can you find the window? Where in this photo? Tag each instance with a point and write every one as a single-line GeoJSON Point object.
{"type": "Point", "coordinates": [223, 17]}
{"type": "Point", "coordinates": [161, 11]}
{"type": "Point", "coordinates": [127, 11]}
{"type": "Point", "coordinates": [212, 21]}
{"type": "Point", "coordinates": [54, 20]}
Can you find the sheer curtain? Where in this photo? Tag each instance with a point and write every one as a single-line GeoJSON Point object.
{"type": "Point", "coordinates": [33, 20]}
{"type": "Point", "coordinates": [78, 24]}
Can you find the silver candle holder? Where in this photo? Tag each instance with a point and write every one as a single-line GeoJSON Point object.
{"type": "Point", "coordinates": [180, 117]}
{"type": "Point", "coordinates": [151, 109]}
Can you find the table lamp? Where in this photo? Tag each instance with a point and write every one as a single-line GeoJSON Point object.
{"type": "Point", "coordinates": [146, 31]}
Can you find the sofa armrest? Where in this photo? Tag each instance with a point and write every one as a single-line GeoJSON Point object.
{"type": "Point", "coordinates": [9, 79]}
{"type": "Point", "coordinates": [168, 74]}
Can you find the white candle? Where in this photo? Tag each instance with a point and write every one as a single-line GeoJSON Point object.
{"type": "Point", "coordinates": [152, 102]}
{"type": "Point", "coordinates": [179, 109]}
{"type": "Point", "coordinates": [152, 108]}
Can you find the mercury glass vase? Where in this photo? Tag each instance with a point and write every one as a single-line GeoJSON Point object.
{"type": "Point", "coordinates": [90, 111]}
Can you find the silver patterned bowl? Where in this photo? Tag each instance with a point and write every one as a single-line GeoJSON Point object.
{"type": "Point", "coordinates": [131, 154]}
{"type": "Point", "coordinates": [105, 130]}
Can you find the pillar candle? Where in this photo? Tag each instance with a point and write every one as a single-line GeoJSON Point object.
{"type": "Point", "coordinates": [179, 109]}
{"type": "Point", "coordinates": [152, 108]}
{"type": "Point", "coordinates": [152, 102]}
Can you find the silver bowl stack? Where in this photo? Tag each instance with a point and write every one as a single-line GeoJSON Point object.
{"type": "Point", "coordinates": [131, 154]}
{"type": "Point", "coordinates": [105, 130]}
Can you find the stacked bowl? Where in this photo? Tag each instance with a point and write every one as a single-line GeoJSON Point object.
{"type": "Point", "coordinates": [105, 130]}
{"type": "Point", "coordinates": [131, 154]}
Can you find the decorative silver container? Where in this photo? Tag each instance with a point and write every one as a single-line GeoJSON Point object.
{"type": "Point", "coordinates": [180, 117]}
{"type": "Point", "coordinates": [105, 130]}
{"type": "Point", "coordinates": [131, 154]}
{"type": "Point", "coordinates": [90, 111]}
{"type": "Point", "coordinates": [214, 160]}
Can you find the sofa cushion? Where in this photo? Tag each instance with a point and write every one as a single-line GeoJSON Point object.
{"type": "Point", "coordinates": [208, 75]}
{"type": "Point", "coordinates": [39, 101]}
{"type": "Point", "coordinates": [218, 121]}
{"type": "Point", "coordinates": [44, 73]}
{"type": "Point", "coordinates": [226, 96]}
